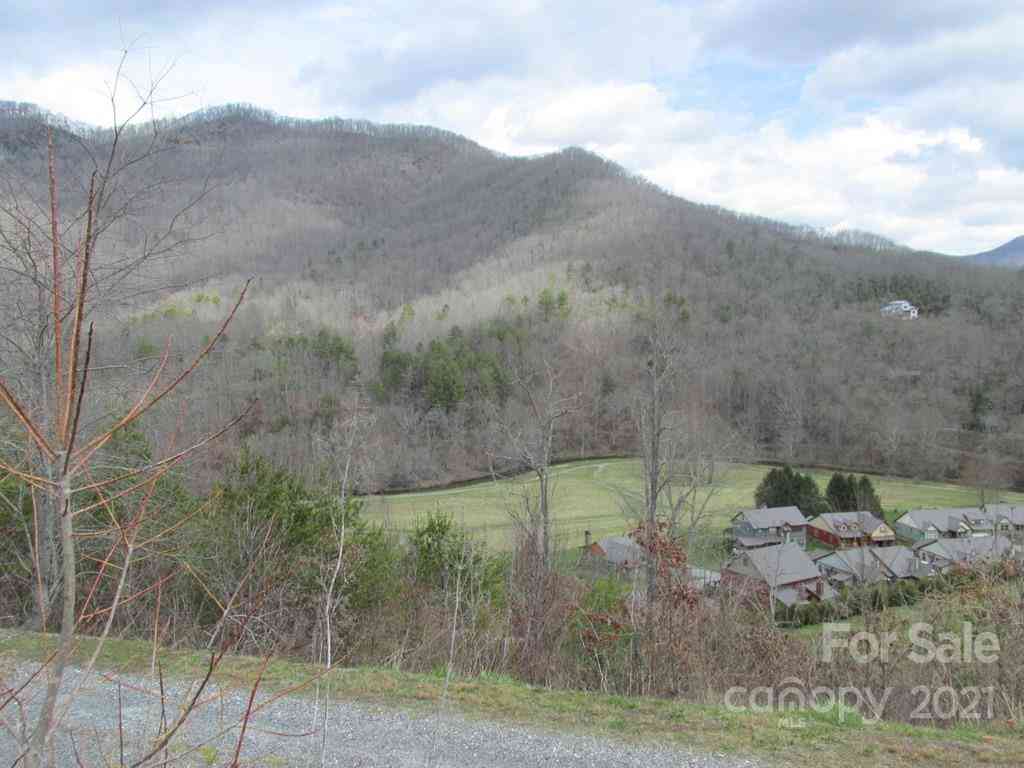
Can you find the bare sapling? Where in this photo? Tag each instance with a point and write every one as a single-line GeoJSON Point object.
{"type": "Point", "coordinates": [66, 477]}
{"type": "Point", "coordinates": [343, 447]}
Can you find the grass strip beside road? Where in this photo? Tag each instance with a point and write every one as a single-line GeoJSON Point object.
{"type": "Point", "coordinates": [800, 739]}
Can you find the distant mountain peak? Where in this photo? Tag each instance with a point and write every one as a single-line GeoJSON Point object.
{"type": "Point", "coordinates": [1009, 254]}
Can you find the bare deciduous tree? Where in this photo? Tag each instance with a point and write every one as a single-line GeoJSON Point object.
{"type": "Point", "coordinates": [526, 433]}
{"type": "Point", "coordinates": [111, 178]}
{"type": "Point", "coordinates": [62, 464]}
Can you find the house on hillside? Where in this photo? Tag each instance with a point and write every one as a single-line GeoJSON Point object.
{"type": "Point", "coordinates": [900, 308]}
{"type": "Point", "coordinates": [1007, 517]}
{"type": "Point", "coordinates": [941, 555]}
{"type": "Point", "coordinates": [928, 524]}
{"type": "Point", "coordinates": [959, 522]}
{"type": "Point", "coordinates": [869, 565]}
{"type": "Point", "coordinates": [978, 522]}
{"type": "Point", "coordinates": [898, 561]}
{"type": "Point", "coordinates": [850, 529]}
{"type": "Point", "coordinates": [768, 526]}
{"type": "Point", "coordinates": [622, 554]}
{"type": "Point", "coordinates": [613, 553]}
{"type": "Point", "coordinates": [782, 573]}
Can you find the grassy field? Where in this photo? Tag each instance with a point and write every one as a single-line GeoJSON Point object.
{"type": "Point", "coordinates": [599, 495]}
{"type": "Point", "coordinates": [796, 739]}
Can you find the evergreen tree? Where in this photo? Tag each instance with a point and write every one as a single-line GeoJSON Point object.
{"type": "Point", "coordinates": [866, 496]}
{"type": "Point", "coordinates": [841, 492]}
{"type": "Point", "coordinates": [849, 493]}
{"type": "Point", "coordinates": [445, 385]}
{"type": "Point", "coordinates": [784, 487]}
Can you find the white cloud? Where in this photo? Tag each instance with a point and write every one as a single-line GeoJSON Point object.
{"type": "Point", "coordinates": [619, 120]}
{"type": "Point", "coordinates": [989, 52]}
{"type": "Point", "coordinates": [909, 115]}
{"type": "Point", "coordinates": [931, 189]}
{"type": "Point", "coordinates": [77, 92]}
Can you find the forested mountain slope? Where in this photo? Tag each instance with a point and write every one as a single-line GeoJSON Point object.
{"type": "Point", "coordinates": [426, 274]}
{"type": "Point", "coordinates": [1009, 254]}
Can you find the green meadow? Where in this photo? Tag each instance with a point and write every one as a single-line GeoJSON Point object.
{"type": "Point", "coordinates": [603, 496]}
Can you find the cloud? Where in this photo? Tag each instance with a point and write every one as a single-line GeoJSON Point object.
{"type": "Point", "coordinates": [898, 117]}
{"type": "Point", "coordinates": [931, 189]}
{"type": "Point", "coordinates": [934, 190]}
{"type": "Point", "coordinates": [967, 77]}
{"type": "Point", "coordinates": [991, 52]}
{"type": "Point", "coordinates": [41, 36]}
{"type": "Point", "coordinates": [807, 30]}
{"type": "Point", "coordinates": [388, 61]}
{"type": "Point", "coordinates": [393, 70]}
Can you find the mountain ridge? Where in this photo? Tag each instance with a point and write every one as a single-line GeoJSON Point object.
{"type": "Point", "coordinates": [425, 268]}
{"type": "Point", "coordinates": [218, 122]}
{"type": "Point", "coordinates": [1009, 254]}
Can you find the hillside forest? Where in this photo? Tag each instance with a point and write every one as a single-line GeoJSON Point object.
{"type": "Point", "coordinates": [435, 287]}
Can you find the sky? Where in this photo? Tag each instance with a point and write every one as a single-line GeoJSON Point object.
{"type": "Point", "coordinates": [902, 118]}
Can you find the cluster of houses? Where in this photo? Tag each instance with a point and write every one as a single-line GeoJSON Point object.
{"type": "Point", "coordinates": [780, 553]}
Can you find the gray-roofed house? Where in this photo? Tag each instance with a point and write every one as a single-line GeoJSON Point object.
{"type": "Point", "coordinates": [927, 524]}
{"type": "Point", "coordinates": [614, 551]}
{"type": "Point", "coordinates": [901, 562]}
{"type": "Point", "coordinates": [850, 529]}
{"type": "Point", "coordinates": [767, 526]}
{"type": "Point", "coordinates": [869, 565]}
{"type": "Point", "coordinates": [783, 572]}
{"type": "Point", "coordinates": [943, 554]}
{"type": "Point", "coordinates": [978, 521]}
{"type": "Point", "coordinates": [1009, 517]}
{"type": "Point", "coordinates": [957, 522]}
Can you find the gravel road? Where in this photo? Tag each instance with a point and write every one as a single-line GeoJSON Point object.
{"type": "Point", "coordinates": [287, 733]}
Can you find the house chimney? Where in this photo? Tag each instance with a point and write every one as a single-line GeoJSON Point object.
{"type": "Point", "coordinates": [586, 538]}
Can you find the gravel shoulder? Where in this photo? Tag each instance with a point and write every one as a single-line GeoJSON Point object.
{"type": "Point", "coordinates": [386, 717]}
{"type": "Point", "coordinates": [293, 731]}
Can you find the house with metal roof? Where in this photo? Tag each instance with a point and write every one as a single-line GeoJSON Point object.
{"type": "Point", "coordinates": [622, 553]}
{"type": "Point", "coordinates": [782, 573]}
{"type": "Point", "coordinates": [869, 565]}
{"type": "Point", "coordinates": [850, 529]}
{"type": "Point", "coordinates": [768, 526]}
{"type": "Point", "coordinates": [1006, 516]}
{"type": "Point", "coordinates": [614, 552]}
{"type": "Point", "coordinates": [898, 561]}
{"type": "Point", "coordinates": [927, 524]}
{"type": "Point", "coordinates": [943, 554]}
{"type": "Point", "coordinates": [958, 522]}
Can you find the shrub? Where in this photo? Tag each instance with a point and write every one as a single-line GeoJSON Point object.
{"type": "Point", "coordinates": [255, 486]}
{"type": "Point", "coordinates": [439, 549]}
{"type": "Point", "coordinates": [374, 567]}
